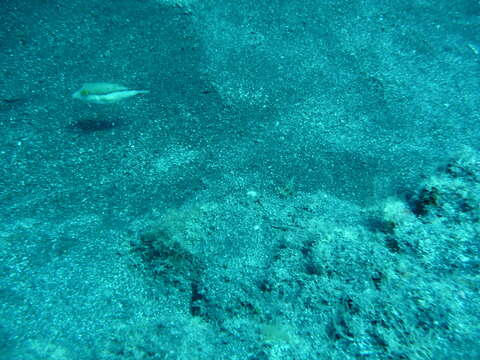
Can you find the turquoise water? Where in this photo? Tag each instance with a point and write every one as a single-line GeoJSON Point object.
{"type": "Point", "coordinates": [300, 181]}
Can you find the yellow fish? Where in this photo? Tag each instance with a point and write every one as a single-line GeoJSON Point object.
{"type": "Point", "coordinates": [105, 93]}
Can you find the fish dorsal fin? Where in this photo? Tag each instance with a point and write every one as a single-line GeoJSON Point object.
{"type": "Point", "coordinates": [101, 88]}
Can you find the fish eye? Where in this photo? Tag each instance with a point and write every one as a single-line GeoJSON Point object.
{"type": "Point", "coordinates": [84, 92]}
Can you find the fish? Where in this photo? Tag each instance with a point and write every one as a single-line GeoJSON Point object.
{"type": "Point", "coordinates": [105, 93]}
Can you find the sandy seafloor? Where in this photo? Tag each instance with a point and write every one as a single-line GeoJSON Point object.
{"type": "Point", "coordinates": [301, 182]}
